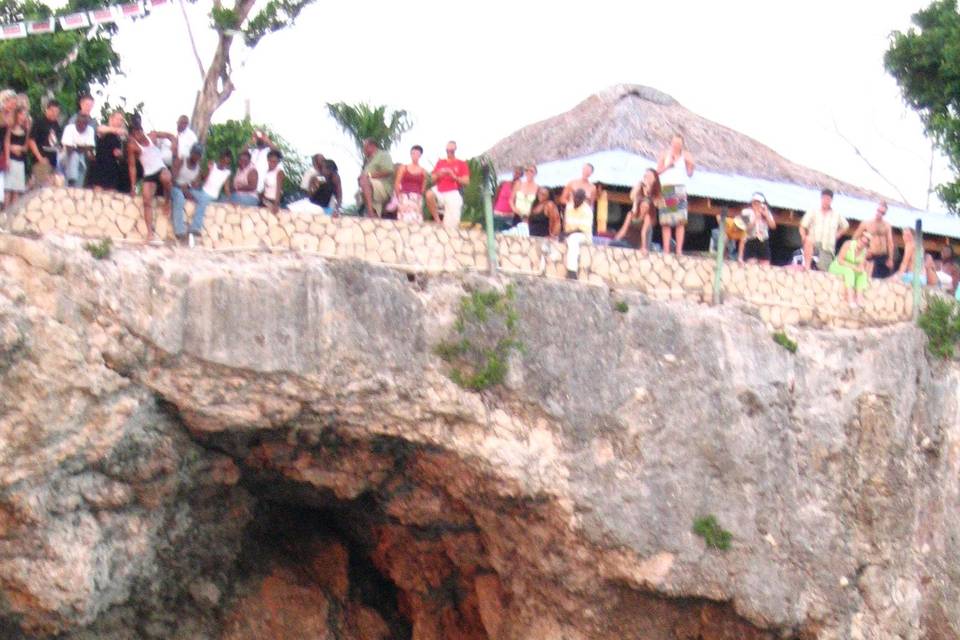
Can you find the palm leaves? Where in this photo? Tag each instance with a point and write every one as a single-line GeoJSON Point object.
{"type": "Point", "coordinates": [361, 121]}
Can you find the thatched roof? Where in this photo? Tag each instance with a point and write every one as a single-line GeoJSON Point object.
{"type": "Point", "coordinates": [642, 120]}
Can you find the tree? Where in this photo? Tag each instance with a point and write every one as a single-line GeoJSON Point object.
{"type": "Point", "coordinates": [230, 21]}
{"type": "Point", "coordinates": [362, 121]}
{"type": "Point", "coordinates": [62, 64]}
{"type": "Point", "coordinates": [235, 135]}
{"type": "Point", "coordinates": [925, 61]}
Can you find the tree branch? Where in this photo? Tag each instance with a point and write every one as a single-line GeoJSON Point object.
{"type": "Point", "coordinates": [856, 150]}
{"type": "Point", "coordinates": [193, 43]}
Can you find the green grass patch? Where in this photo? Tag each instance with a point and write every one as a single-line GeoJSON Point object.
{"type": "Point", "coordinates": [486, 334]}
{"type": "Point", "coordinates": [784, 341]}
{"type": "Point", "coordinates": [621, 307]}
{"type": "Point", "coordinates": [712, 533]}
{"type": "Point", "coordinates": [941, 322]}
{"type": "Point", "coordinates": [99, 250]}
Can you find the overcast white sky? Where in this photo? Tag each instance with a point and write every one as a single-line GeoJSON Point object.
{"type": "Point", "coordinates": [788, 74]}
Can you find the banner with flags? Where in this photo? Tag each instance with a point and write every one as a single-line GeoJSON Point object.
{"type": "Point", "coordinates": [74, 21]}
{"type": "Point", "coordinates": [10, 31]}
{"type": "Point", "coordinates": [102, 16]}
{"type": "Point", "coordinates": [131, 10]}
{"type": "Point", "coordinates": [40, 26]}
{"type": "Point", "coordinates": [81, 19]}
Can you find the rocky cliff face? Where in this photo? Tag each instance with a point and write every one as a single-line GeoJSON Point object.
{"type": "Point", "coordinates": [195, 445]}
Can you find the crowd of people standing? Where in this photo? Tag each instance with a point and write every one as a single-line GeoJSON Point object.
{"type": "Point", "coordinates": [120, 154]}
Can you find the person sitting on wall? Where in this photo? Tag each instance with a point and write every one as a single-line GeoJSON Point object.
{"type": "Point", "coordinates": [273, 182]}
{"type": "Point", "coordinates": [756, 222]}
{"type": "Point", "coordinates": [638, 224]}
{"type": "Point", "coordinates": [880, 254]}
{"type": "Point", "coordinates": [328, 194]}
{"type": "Point", "coordinates": [502, 207]}
{"type": "Point", "coordinates": [545, 216]}
{"type": "Point", "coordinates": [524, 197]}
{"type": "Point", "coordinates": [851, 265]}
{"type": "Point", "coordinates": [948, 265]}
{"type": "Point", "coordinates": [215, 178]}
{"type": "Point", "coordinates": [245, 182]}
{"type": "Point", "coordinates": [578, 225]}
{"type": "Point", "coordinates": [376, 179]}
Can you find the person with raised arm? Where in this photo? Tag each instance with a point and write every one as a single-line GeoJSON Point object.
{"type": "Point", "coordinates": [145, 148]}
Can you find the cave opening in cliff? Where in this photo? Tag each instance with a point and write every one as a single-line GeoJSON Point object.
{"type": "Point", "coordinates": [323, 551]}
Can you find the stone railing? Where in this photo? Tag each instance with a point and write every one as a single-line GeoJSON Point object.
{"type": "Point", "coordinates": [780, 297]}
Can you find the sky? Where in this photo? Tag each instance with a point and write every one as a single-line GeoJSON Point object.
{"type": "Point", "coordinates": [806, 79]}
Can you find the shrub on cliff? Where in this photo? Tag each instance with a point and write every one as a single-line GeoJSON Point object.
{"type": "Point", "coordinates": [486, 334]}
{"type": "Point", "coordinates": [941, 323]}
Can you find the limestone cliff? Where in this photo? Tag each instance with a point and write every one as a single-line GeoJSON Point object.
{"type": "Point", "coordinates": [198, 445]}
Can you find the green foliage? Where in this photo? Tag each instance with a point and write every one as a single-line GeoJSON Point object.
{"type": "Point", "coordinates": [99, 250]}
{"type": "Point", "coordinates": [107, 107]}
{"type": "Point", "coordinates": [235, 136]}
{"type": "Point", "coordinates": [941, 322]}
{"type": "Point", "coordinates": [224, 19]}
{"type": "Point", "coordinates": [621, 306]}
{"type": "Point", "coordinates": [41, 66]}
{"type": "Point", "coordinates": [361, 121]}
{"type": "Point", "coordinates": [712, 533]}
{"type": "Point", "coordinates": [925, 63]}
{"type": "Point", "coordinates": [473, 193]}
{"type": "Point", "coordinates": [784, 341]}
{"type": "Point", "coordinates": [486, 328]}
{"type": "Point", "coordinates": [276, 15]}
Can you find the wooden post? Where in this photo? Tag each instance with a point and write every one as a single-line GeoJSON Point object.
{"type": "Point", "coordinates": [917, 266]}
{"type": "Point", "coordinates": [721, 251]}
{"type": "Point", "coordinates": [488, 220]}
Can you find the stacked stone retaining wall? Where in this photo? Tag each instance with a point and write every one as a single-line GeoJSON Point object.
{"type": "Point", "coordinates": [779, 296]}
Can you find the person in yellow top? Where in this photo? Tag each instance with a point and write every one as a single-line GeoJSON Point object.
{"type": "Point", "coordinates": [851, 265]}
{"type": "Point", "coordinates": [578, 225]}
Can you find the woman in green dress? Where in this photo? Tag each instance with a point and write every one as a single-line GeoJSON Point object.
{"type": "Point", "coordinates": [851, 265]}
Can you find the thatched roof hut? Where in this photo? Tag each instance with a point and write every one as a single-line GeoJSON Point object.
{"type": "Point", "coordinates": [642, 120]}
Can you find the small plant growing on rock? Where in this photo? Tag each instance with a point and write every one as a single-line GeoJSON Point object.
{"type": "Point", "coordinates": [486, 329]}
{"type": "Point", "coordinates": [712, 533]}
{"type": "Point", "coordinates": [621, 306]}
{"type": "Point", "coordinates": [99, 250]}
{"type": "Point", "coordinates": [941, 323]}
{"type": "Point", "coordinates": [784, 341]}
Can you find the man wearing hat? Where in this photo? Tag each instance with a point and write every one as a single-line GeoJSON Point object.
{"type": "Point", "coordinates": [755, 221]}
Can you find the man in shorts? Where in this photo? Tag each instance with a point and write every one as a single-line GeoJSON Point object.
{"type": "Point", "coordinates": [450, 174]}
{"type": "Point", "coordinates": [376, 179]}
{"type": "Point", "coordinates": [880, 251]}
{"type": "Point", "coordinates": [819, 231]}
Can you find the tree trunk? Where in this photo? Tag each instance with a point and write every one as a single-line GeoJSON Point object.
{"type": "Point", "coordinates": [217, 83]}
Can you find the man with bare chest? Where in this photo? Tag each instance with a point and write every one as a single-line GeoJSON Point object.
{"type": "Point", "coordinates": [583, 182]}
{"type": "Point", "coordinates": [880, 251]}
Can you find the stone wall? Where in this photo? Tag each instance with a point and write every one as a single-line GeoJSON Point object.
{"type": "Point", "coordinates": [781, 297]}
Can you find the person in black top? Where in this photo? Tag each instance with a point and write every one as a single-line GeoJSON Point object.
{"type": "Point", "coordinates": [328, 188]}
{"type": "Point", "coordinates": [109, 161]}
{"type": "Point", "coordinates": [44, 143]}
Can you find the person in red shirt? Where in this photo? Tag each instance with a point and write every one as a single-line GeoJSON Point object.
{"type": "Point", "coordinates": [450, 174]}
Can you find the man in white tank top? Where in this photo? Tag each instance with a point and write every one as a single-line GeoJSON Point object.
{"type": "Point", "coordinates": [215, 179]}
{"type": "Point", "coordinates": [144, 148]}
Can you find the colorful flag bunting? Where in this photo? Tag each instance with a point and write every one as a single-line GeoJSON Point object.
{"type": "Point", "coordinates": [74, 21]}
{"type": "Point", "coordinates": [131, 10]}
{"type": "Point", "coordinates": [10, 31]}
{"type": "Point", "coordinates": [40, 26]}
{"type": "Point", "coordinates": [102, 16]}
{"type": "Point", "coordinates": [157, 3]}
